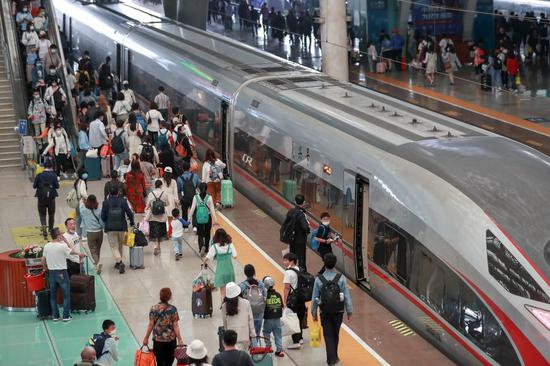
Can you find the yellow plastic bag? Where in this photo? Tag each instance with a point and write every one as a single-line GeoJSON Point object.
{"type": "Point", "coordinates": [129, 239]}
{"type": "Point", "coordinates": [315, 335]}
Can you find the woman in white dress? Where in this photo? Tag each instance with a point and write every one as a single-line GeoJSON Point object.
{"type": "Point", "coordinates": [170, 189]}
{"type": "Point", "coordinates": [134, 133]}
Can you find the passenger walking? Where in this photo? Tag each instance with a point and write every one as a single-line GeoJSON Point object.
{"type": "Point", "coordinates": [134, 183]}
{"type": "Point", "coordinates": [297, 216]}
{"type": "Point", "coordinates": [163, 103]}
{"type": "Point", "coordinates": [147, 151]}
{"type": "Point", "coordinates": [170, 189]}
{"type": "Point", "coordinates": [133, 132]}
{"type": "Point", "coordinates": [81, 188]}
{"type": "Point", "coordinates": [177, 226]}
{"type": "Point", "coordinates": [165, 138]}
{"type": "Point", "coordinates": [149, 171]}
{"type": "Point", "coordinates": [54, 259]}
{"type": "Point", "coordinates": [46, 185]}
{"type": "Point", "coordinates": [93, 227]}
{"type": "Point", "coordinates": [272, 316]}
{"type": "Point", "coordinates": [332, 296]}
{"type": "Point", "coordinates": [297, 304]}
{"type": "Point", "coordinates": [155, 213]}
{"type": "Point", "coordinates": [122, 108]}
{"type": "Point", "coordinates": [164, 324]}
{"type": "Point", "coordinates": [183, 144]}
{"type": "Point", "coordinates": [114, 182]}
{"type": "Point", "coordinates": [113, 213]}
{"type": "Point", "coordinates": [166, 158]}
{"type": "Point", "coordinates": [97, 135]}
{"type": "Point", "coordinates": [197, 353]}
{"type": "Point", "coordinates": [512, 66]}
{"type": "Point", "coordinates": [254, 291]}
{"type": "Point", "coordinates": [103, 105]}
{"type": "Point", "coordinates": [325, 237]}
{"type": "Point", "coordinates": [231, 355]}
{"type": "Point", "coordinates": [372, 56]}
{"type": "Point", "coordinates": [212, 175]}
{"type": "Point", "coordinates": [129, 96]}
{"type": "Point", "coordinates": [431, 64]}
{"type": "Point", "coordinates": [83, 145]}
{"type": "Point", "coordinates": [74, 263]}
{"type": "Point", "coordinates": [106, 344]}
{"type": "Point", "coordinates": [222, 250]}
{"type": "Point", "coordinates": [237, 315]}
{"type": "Point", "coordinates": [37, 112]}
{"type": "Point", "coordinates": [59, 143]}
{"type": "Point", "coordinates": [105, 77]}
{"type": "Point", "coordinates": [204, 218]}
{"type": "Point", "coordinates": [187, 189]}
{"type": "Point", "coordinates": [119, 143]}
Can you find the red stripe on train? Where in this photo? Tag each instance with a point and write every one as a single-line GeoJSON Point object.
{"type": "Point", "coordinates": [428, 312]}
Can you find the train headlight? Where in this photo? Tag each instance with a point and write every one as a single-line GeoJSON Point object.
{"type": "Point", "coordinates": [542, 316]}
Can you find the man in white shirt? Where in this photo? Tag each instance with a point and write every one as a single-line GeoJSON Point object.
{"type": "Point", "coordinates": [97, 134]}
{"type": "Point", "coordinates": [129, 96]}
{"type": "Point", "coordinates": [298, 305]}
{"type": "Point", "coordinates": [163, 102]}
{"type": "Point", "coordinates": [73, 262]}
{"type": "Point", "coordinates": [54, 260]}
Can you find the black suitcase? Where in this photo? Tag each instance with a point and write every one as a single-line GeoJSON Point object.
{"type": "Point", "coordinates": [43, 307]}
{"type": "Point", "coordinates": [83, 292]}
{"type": "Point", "coordinates": [201, 302]}
{"type": "Point", "coordinates": [221, 333]}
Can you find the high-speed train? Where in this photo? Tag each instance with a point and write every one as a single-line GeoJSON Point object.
{"type": "Point", "coordinates": [446, 224]}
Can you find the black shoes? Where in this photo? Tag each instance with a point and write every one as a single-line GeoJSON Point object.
{"type": "Point", "coordinates": [121, 268]}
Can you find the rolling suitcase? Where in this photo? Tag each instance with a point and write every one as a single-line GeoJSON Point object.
{"type": "Point", "coordinates": [43, 307]}
{"type": "Point", "coordinates": [381, 67]}
{"type": "Point", "coordinates": [201, 302]}
{"type": "Point", "coordinates": [83, 292]}
{"type": "Point", "coordinates": [221, 333]}
{"type": "Point", "coordinates": [289, 189]}
{"type": "Point", "coordinates": [93, 167]}
{"type": "Point", "coordinates": [136, 257]}
{"type": "Point", "coordinates": [227, 193]}
{"type": "Point", "coordinates": [106, 166]}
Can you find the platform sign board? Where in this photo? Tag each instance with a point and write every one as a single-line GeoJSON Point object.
{"type": "Point", "coordinates": [438, 17]}
{"type": "Point", "coordinates": [22, 127]}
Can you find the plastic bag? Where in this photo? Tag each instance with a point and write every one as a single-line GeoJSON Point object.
{"type": "Point", "coordinates": [144, 227]}
{"type": "Point", "coordinates": [290, 324]}
{"type": "Point", "coordinates": [144, 358]}
{"type": "Point", "coordinates": [203, 279]}
{"type": "Point", "coordinates": [129, 239]}
{"type": "Point", "coordinates": [315, 335]}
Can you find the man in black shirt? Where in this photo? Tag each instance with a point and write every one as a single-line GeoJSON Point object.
{"type": "Point", "coordinates": [231, 356]}
{"type": "Point", "coordinates": [46, 185]}
{"type": "Point", "coordinates": [301, 230]}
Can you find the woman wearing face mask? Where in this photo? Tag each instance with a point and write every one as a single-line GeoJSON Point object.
{"type": "Point", "coordinates": [36, 113]}
{"type": "Point", "coordinates": [81, 187]}
{"type": "Point", "coordinates": [60, 143]}
{"type": "Point", "coordinates": [56, 97]}
{"type": "Point", "coordinates": [43, 45]}
{"type": "Point", "coordinates": [40, 21]}
{"type": "Point", "coordinates": [29, 38]}
{"type": "Point", "coordinates": [325, 237]}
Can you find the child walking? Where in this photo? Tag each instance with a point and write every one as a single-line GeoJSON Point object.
{"type": "Point", "coordinates": [178, 225]}
{"type": "Point", "coordinates": [272, 316]}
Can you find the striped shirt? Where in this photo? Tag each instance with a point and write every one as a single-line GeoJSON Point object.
{"type": "Point", "coordinates": [162, 100]}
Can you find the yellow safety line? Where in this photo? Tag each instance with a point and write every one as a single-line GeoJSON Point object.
{"type": "Point", "coordinates": [351, 352]}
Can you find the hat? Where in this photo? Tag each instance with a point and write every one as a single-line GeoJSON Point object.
{"type": "Point", "coordinates": [125, 82]}
{"type": "Point", "coordinates": [196, 350]}
{"type": "Point", "coordinates": [232, 290]}
{"type": "Point", "coordinates": [168, 170]}
{"type": "Point", "coordinates": [41, 33]}
{"type": "Point", "coordinates": [268, 282]}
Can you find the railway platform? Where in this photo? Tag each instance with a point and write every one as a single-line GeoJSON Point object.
{"type": "Point", "coordinates": [374, 337]}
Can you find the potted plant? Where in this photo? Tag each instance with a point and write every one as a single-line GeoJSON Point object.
{"type": "Point", "coordinates": [32, 255]}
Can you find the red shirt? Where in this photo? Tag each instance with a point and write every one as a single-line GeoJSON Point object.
{"type": "Point", "coordinates": [512, 66]}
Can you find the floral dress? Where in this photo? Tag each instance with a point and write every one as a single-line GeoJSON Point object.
{"type": "Point", "coordinates": [135, 190]}
{"type": "Point", "coordinates": [164, 316]}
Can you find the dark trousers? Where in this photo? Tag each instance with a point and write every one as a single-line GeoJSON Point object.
{"type": "Point", "coordinates": [154, 136]}
{"type": "Point", "coordinates": [185, 206]}
{"type": "Point", "coordinates": [46, 207]}
{"type": "Point", "coordinates": [324, 249]}
{"type": "Point", "coordinates": [300, 250]}
{"type": "Point", "coordinates": [60, 278]}
{"type": "Point", "coordinates": [331, 332]}
{"type": "Point", "coordinates": [203, 232]}
{"type": "Point", "coordinates": [164, 352]}
{"type": "Point", "coordinates": [300, 311]}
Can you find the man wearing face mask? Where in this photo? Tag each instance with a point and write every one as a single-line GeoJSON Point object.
{"type": "Point", "coordinates": [105, 344]}
{"type": "Point", "coordinates": [60, 143]}
{"type": "Point", "coordinates": [51, 76]}
{"type": "Point", "coordinates": [56, 97]}
{"type": "Point", "coordinates": [37, 113]}
{"type": "Point", "coordinates": [23, 18]}
{"type": "Point", "coordinates": [52, 58]}
{"type": "Point", "coordinates": [325, 237]}
{"type": "Point", "coordinates": [129, 96]}
{"type": "Point", "coordinates": [40, 21]}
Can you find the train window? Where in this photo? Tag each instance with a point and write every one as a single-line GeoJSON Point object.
{"type": "Point", "coordinates": [507, 270]}
{"type": "Point", "coordinates": [391, 250]}
{"type": "Point", "coordinates": [430, 282]}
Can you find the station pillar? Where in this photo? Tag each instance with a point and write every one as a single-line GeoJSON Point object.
{"type": "Point", "coordinates": [334, 39]}
{"type": "Point", "coordinates": [190, 12]}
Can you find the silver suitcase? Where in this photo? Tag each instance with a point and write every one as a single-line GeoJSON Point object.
{"type": "Point", "coordinates": [136, 258]}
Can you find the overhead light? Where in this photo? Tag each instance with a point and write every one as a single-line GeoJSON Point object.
{"type": "Point", "coordinates": [542, 316]}
{"type": "Point", "coordinates": [327, 169]}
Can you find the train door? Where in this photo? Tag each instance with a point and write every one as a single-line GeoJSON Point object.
{"type": "Point", "coordinates": [362, 230]}
{"type": "Point", "coordinates": [119, 65]}
{"type": "Point", "coordinates": [225, 131]}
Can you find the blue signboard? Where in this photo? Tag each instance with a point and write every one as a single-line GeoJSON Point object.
{"type": "Point", "coordinates": [22, 127]}
{"type": "Point", "coordinates": [438, 17]}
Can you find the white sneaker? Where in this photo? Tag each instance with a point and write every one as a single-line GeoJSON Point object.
{"type": "Point", "coordinates": [294, 346]}
{"type": "Point", "coordinates": [99, 268]}
{"type": "Point", "coordinates": [301, 342]}
{"type": "Point", "coordinates": [185, 229]}
{"type": "Point", "coordinates": [195, 230]}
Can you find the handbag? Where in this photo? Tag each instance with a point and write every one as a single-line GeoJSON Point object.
{"type": "Point", "coordinates": [194, 165]}
{"type": "Point", "coordinates": [105, 151]}
{"type": "Point", "coordinates": [92, 154]}
{"type": "Point", "coordinates": [290, 324]}
{"type": "Point", "coordinates": [315, 335]}
{"type": "Point", "coordinates": [180, 354]}
{"type": "Point", "coordinates": [180, 150]}
{"type": "Point", "coordinates": [129, 239]}
{"type": "Point", "coordinates": [144, 358]}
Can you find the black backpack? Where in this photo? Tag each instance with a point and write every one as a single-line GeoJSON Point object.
{"type": "Point", "coordinates": [287, 233]}
{"type": "Point", "coordinates": [148, 152]}
{"type": "Point", "coordinates": [304, 291]}
{"type": "Point", "coordinates": [45, 191]}
{"type": "Point", "coordinates": [188, 188]}
{"type": "Point", "coordinates": [158, 207]}
{"type": "Point", "coordinates": [115, 219]}
{"type": "Point", "coordinates": [98, 342]}
{"type": "Point", "coordinates": [117, 145]}
{"type": "Point", "coordinates": [330, 295]}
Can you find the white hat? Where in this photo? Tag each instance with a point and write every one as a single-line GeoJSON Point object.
{"type": "Point", "coordinates": [125, 82]}
{"type": "Point", "coordinates": [168, 170]}
{"type": "Point", "coordinates": [196, 350]}
{"type": "Point", "coordinates": [268, 282]}
{"type": "Point", "coordinates": [232, 290]}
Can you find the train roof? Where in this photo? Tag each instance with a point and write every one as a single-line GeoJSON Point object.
{"type": "Point", "coordinates": [508, 180]}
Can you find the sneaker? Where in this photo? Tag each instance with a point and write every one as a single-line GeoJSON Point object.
{"type": "Point", "coordinates": [301, 342]}
{"type": "Point", "coordinates": [280, 354]}
{"type": "Point", "coordinates": [295, 346]}
{"type": "Point", "coordinates": [177, 257]}
{"type": "Point", "coordinates": [156, 251]}
{"type": "Point", "coordinates": [202, 252]}
{"type": "Point", "coordinates": [55, 320]}
{"type": "Point", "coordinates": [99, 267]}
{"type": "Point", "coordinates": [66, 320]}
{"type": "Point", "coordinates": [121, 268]}
{"type": "Point", "coordinates": [195, 230]}
{"type": "Point", "coordinates": [117, 265]}
{"type": "Point", "coordinates": [185, 229]}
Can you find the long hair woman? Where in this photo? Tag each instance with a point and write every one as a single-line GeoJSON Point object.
{"type": "Point", "coordinates": [222, 250]}
{"type": "Point", "coordinates": [237, 315]}
{"type": "Point", "coordinates": [93, 227]}
{"type": "Point", "coordinates": [202, 202]}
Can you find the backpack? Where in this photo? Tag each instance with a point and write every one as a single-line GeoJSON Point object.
{"type": "Point", "coordinates": [57, 98]}
{"type": "Point", "coordinates": [98, 342]}
{"type": "Point", "coordinates": [157, 208]}
{"type": "Point", "coordinates": [317, 233]}
{"type": "Point", "coordinates": [215, 172]}
{"type": "Point", "coordinates": [188, 189]}
{"type": "Point", "coordinates": [117, 144]}
{"type": "Point", "coordinates": [141, 120]}
{"type": "Point", "coordinates": [330, 301]}
{"type": "Point", "coordinates": [162, 140]}
{"type": "Point", "coordinates": [115, 219]}
{"type": "Point", "coordinates": [254, 295]}
{"type": "Point", "coordinates": [45, 191]}
{"type": "Point", "coordinates": [305, 284]}
{"type": "Point", "coordinates": [287, 233]}
{"type": "Point", "coordinates": [72, 199]}
{"type": "Point", "coordinates": [203, 213]}
{"type": "Point", "coordinates": [148, 152]}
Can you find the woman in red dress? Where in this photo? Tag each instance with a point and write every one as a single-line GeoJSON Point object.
{"type": "Point", "coordinates": [135, 187]}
